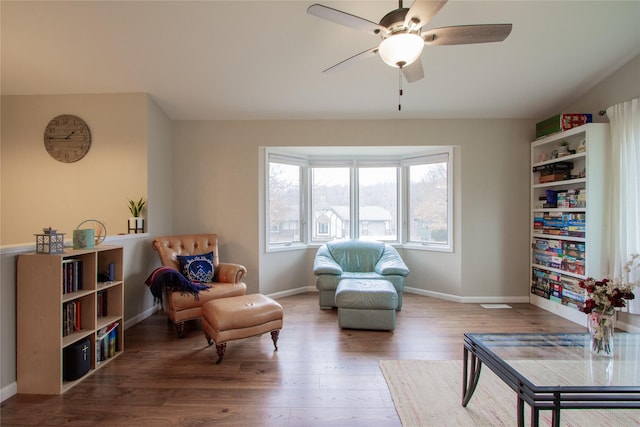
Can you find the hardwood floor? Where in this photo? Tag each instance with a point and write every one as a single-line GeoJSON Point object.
{"type": "Point", "coordinates": [321, 375]}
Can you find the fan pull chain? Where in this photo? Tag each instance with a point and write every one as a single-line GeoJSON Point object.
{"type": "Point", "coordinates": [399, 88]}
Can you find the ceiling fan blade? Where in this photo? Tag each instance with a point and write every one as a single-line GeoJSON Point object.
{"type": "Point", "coordinates": [346, 19]}
{"type": "Point", "coordinates": [413, 72]}
{"type": "Point", "coordinates": [421, 12]}
{"type": "Point", "coordinates": [369, 53]}
{"type": "Point", "coordinates": [467, 34]}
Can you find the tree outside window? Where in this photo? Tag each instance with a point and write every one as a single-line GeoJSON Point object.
{"type": "Point", "coordinates": [284, 203]}
{"type": "Point", "coordinates": [428, 203]}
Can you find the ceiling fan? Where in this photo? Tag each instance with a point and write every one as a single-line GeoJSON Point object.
{"type": "Point", "coordinates": [404, 36]}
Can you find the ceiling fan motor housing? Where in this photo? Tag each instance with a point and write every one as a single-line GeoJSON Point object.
{"type": "Point", "coordinates": [394, 20]}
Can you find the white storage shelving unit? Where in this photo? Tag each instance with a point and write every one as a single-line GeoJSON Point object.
{"type": "Point", "coordinates": [581, 236]}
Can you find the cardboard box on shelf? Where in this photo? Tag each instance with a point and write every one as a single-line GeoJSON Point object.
{"type": "Point", "coordinates": [573, 265]}
{"type": "Point", "coordinates": [558, 176]}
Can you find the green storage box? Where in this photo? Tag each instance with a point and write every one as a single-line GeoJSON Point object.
{"type": "Point", "coordinates": [561, 122]}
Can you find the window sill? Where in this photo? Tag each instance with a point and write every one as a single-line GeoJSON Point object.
{"type": "Point", "coordinates": [286, 247]}
{"type": "Point", "coordinates": [426, 247]}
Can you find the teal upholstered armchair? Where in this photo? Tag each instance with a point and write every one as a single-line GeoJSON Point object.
{"type": "Point", "coordinates": [356, 259]}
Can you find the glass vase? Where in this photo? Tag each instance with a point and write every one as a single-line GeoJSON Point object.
{"type": "Point", "coordinates": [601, 326]}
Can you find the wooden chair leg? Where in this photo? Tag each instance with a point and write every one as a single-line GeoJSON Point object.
{"type": "Point", "coordinates": [220, 348]}
{"type": "Point", "coordinates": [209, 339]}
{"type": "Point", "coordinates": [180, 329]}
{"type": "Point", "coordinates": [274, 336]}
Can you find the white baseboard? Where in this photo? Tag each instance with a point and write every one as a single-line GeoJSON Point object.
{"type": "Point", "coordinates": [289, 292]}
{"type": "Point", "coordinates": [140, 317]}
{"type": "Point", "coordinates": [467, 300]}
{"type": "Point", "coordinates": [8, 391]}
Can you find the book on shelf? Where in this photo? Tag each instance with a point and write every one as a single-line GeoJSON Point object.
{"type": "Point", "coordinates": [575, 299]}
{"type": "Point", "coordinates": [560, 223]}
{"type": "Point", "coordinates": [555, 293]}
{"type": "Point", "coordinates": [564, 199]}
{"type": "Point", "coordinates": [572, 198]}
{"type": "Point", "coordinates": [112, 342]}
{"type": "Point", "coordinates": [553, 167]}
{"type": "Point", "coordinates": [540, 292]}
{"type": "Point", "coordinates": [540, 283]}
{"type": "Point", "coordinates": [551, 261]}
{"type": "Point", "coordinates": [557, 287]}
{"type": "Point", "coordinates": [571, 284]}
{"type": "Point", "coordinates": [71, 317]}
{"type": "Point", "coordinates": [102, 303]}
{"type": "Point", "coordinates": [548, 246]}
{"type": "Point", "coordinates": [71, 275]}
{"type": "Point", "coordinates": [107, 342]}
{"type": "Point", "coordinates": [573, 265]}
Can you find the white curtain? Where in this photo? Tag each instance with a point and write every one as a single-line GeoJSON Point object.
{"type": "Point", "coordinates": [624, 206]}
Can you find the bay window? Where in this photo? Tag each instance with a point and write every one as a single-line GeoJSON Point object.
{"type": "Point", "coordinates": [396, 199]}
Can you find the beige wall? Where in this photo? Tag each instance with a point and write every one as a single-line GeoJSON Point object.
{"type": "Point", "coordinates": [140, 259]}
{"type": "Point", "coordinates": [132, 146]}
{"type": "Point", "coordinates": [160, 170]}
{"type": "Point", "coordinates": [490, 258]}
{"type": "Point", "coordinates": [39, 191]}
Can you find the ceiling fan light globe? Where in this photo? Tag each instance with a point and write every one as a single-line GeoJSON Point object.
{"type": "Point", "coordinates": [400, 50]}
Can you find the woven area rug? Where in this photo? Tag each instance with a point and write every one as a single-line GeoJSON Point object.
{"type": "Point", "coordinates": [428, 393]}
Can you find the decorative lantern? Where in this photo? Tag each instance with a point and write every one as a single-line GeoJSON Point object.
{"type": "Point", "coordinates": [49, 242]}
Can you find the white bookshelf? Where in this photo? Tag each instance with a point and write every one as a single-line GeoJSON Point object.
{"type": "Point", "coordinates": [587, 176]}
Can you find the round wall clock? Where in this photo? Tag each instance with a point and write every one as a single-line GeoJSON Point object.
{"type": "Point", "coordinates": [67, 138]}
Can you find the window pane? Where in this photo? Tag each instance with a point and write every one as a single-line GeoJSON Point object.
{"type": "Point", "coordinates": [284, 203]}
{"type": "Point", "coordinates": [330, 208]}
{"type": "Point", "coordinates": [378, 203]}
{"type": "Point", "coordinates": [428, 216]}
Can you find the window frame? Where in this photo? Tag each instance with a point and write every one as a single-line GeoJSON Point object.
{"type": "Point", "coordinates": [445, 154]}
{"type": "Point", "coordinates": [363, 164]}
{"type": "Point", "coordinates": [307, 158]}
{"type": "Point", "coordinates": [315, 164]}
{"type": "Point", "coordinates": [272, 157]}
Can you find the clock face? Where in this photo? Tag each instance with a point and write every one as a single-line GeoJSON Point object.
{"type": "Point", "coordinates": [67, 138]}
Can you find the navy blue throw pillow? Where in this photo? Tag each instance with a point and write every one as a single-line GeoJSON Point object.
{"type": "Point", "coordinates": [197, 268]}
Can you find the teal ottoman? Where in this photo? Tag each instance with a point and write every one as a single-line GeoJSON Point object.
{"type": "Point", "coordinates": [366, 304]}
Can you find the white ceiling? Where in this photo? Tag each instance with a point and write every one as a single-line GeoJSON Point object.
{"type": "Point", "coordinates": [206, 60]}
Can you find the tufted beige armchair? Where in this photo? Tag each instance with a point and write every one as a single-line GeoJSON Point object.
{"type": "Point", "coordinates": [227, 281]}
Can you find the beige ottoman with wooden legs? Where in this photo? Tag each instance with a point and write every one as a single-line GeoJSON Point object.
{"type": "Point", "coordinates": [234, 318]}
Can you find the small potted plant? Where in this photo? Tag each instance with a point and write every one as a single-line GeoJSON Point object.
{"type": "Point", "coordinates": [136, 222]}
{"type": "Point", "coordinates": [563, 149]}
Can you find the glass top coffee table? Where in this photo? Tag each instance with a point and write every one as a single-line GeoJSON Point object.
{"type": "Point", "coordinates": [555, 371]}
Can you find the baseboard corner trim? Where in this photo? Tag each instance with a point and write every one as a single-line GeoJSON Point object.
{"type": "Point", "coordinates": [8, 391]}
{"type": "Point", "coordinates": [290, 292]}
